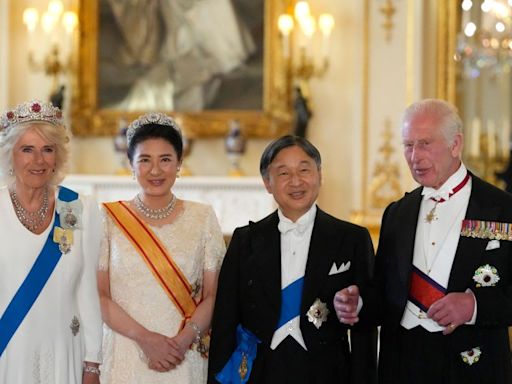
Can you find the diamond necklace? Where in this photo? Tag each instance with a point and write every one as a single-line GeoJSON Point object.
{"type": "Point", "coordinates": [155, 214]}
{"type": "Point", "coordinates": [31, 220]}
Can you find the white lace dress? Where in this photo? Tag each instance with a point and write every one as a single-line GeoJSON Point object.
{"type": "Point", "coordinates": [50, 347]}
{"type": "Point", "coordinates": [195, 242]}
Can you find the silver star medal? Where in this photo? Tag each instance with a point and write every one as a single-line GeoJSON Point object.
{"type": "Point", "coordinates": [317, 313]}
{"type": "Point", "coordinates": [70, 214]}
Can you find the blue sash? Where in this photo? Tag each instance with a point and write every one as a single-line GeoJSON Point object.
{"type": "Point", "coordinates": [290, 301]}
{"type": "Point", "coordinates": [34, 282]}
{"type": "Point", "coordinates": [238, 368]}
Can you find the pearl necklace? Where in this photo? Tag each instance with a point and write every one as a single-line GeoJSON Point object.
{"type": "Point", "coordinates": [155, 214]}
{"type": "Point", "coordinates": [31, 220]}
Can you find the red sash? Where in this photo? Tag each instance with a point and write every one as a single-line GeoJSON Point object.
{"type": "Point", "coordinates": [424, 291]}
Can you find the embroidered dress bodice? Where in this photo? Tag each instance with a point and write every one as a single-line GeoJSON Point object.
{"type": "Point", "coordinates": [195, 242]}
{"type": "Point", "coordinates": [436, 241]}
{"type": "Point", "coordinates": [295, 239]}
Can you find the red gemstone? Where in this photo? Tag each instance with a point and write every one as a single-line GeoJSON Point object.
{"type": "Point", "coordinates": [471, 353]}
{"type": "Point", "coordinates": [487, 278]}
{"type": "Point", "coordinates": [36, 107]}
{"type": "Point", "coordinates": [10, 115]}
{"type": "Point", "coordinates": [59, 114]}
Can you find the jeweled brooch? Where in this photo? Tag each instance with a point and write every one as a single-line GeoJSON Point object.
{"type": "Point", "coordinates": [70, 214]}
{"type": "Point", "coordinates": [317, 313]}
{"type": "Point", "coordinates": [472, 356]}
{"type": "Point", "coordinates": [486, 276]}
{"type": "Point", "coordinates": [75, 325]}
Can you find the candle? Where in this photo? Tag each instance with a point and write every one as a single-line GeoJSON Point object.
{"type": "Point", "coordinates": [285, 25]}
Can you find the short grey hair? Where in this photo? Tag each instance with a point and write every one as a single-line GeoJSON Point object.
{"type": "Point", "coordinates": [283, 142]}
{"type": "Point", "coordinates": [55, 134]}
{"type": "Point", "coordinates": [442, 111]}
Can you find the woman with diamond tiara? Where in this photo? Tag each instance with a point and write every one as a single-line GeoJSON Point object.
{"type": "Point", "coordinates": [159, 263]}
{"type": "Point", "coordinates": [50, 320]}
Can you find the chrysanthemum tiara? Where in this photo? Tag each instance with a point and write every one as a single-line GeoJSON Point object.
{"type": "Point", "coordinates": [34, 110]}
{"type": "Point", "coordinates": [151, 118]}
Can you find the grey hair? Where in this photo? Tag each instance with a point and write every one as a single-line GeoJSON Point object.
{"type": "Point", "coordinates": [55, 134]}
{"type": "Point", "coordinates": [283, 142]}
{"type": "Point", "coordinates": [445, 113]}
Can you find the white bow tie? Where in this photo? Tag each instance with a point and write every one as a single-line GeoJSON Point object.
{"type": "Point", "coordinates": [287, 226]}
{"type": "Point", "coordinates": [437, 195]}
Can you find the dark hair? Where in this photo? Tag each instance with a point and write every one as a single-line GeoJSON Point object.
{"type": "Point", "coordinates": [283, 142]}
{"type": "Point", "coordinates": [156, 131]}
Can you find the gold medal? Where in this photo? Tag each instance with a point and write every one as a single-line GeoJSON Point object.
{"type": "Point", "coordinates": [242, 370]}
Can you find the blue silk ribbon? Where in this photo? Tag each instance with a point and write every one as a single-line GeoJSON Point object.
{"type": "Point", "coordinates": [246, 344]}
{"type": "Point", "coordinates": [35, 281]}
{"type": "Point", "coordinates": [291, 297]}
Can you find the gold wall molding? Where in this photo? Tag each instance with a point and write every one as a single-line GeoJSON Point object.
{"type": "Point", "coordinates": [385, 185]}
{"type": "Point", "coordinates": [388, 10]}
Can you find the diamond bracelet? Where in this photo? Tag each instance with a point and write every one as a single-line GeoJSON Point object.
{"type": "Point", "coordinates": [91, 369]}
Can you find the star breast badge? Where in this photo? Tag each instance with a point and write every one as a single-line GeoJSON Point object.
{"type": "Point", "coordinates": [317, 313]}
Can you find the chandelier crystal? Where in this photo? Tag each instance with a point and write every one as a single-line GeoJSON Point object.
{"type": "Point", "coordinates": [485, 40]}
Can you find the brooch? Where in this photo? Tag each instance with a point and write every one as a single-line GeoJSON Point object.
{"type": "Point", "coordinates": [317, 313]}
{"type": "Point", "coordinates": [472, 356]}
{"type": "Point", "coordinates": [63, 237]}
{"type": "Point", "coordinates": [75, 325]}
{"type": "Point", "coordinates": [486, 276]}
{"type": "Point", "coordinates": [70, 213]}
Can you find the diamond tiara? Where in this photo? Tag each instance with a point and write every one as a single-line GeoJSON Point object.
{"type": "Point", "coordinates": [28, 111]}
{"type": "Point", "coordinates": [151, 118]}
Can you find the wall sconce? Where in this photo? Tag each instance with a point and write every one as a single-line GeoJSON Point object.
{"type": "Point", "coordinates": [298, 30]}
{"type": "Point", "coordinates": [53, 33]}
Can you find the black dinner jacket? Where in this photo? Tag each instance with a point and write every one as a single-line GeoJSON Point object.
{"type": "Point", "coordinates": [249, 293]}
{"type": "Point", "coordinates": [385, 301]}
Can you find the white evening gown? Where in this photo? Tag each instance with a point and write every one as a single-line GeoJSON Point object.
{"type": "Point", "coordinates": [44, 350]}
{"type": "Point", "coordinates": [194, 241]}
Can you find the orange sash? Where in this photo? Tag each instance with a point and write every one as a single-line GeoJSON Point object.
{"type": "Point", "coordinates": [159, 261]}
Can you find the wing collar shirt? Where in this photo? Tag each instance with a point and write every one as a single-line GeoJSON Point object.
{"type": "Point", "coordinates": [295, 239]}
{"type": "Point", "coordinates": [437, 237]}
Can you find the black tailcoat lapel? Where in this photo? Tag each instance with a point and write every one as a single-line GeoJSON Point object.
{"type": "Point", "coordinates": [267, 249]}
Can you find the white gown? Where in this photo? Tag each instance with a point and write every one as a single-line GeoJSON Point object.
{"type": "Point", "coordinates": [44, 350]}
{"type": "Point", "coordinates": [195, 242]}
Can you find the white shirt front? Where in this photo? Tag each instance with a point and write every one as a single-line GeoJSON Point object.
{"type": "Point", "coordinates": [294, 256]}
{"type": "Point", "coordinates": [437, 240]}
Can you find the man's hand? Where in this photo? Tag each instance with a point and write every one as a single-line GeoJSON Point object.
{"type": "Point", "coordinates": [454, 309]}
{"type": "Point", "coordinates": [345, 303]}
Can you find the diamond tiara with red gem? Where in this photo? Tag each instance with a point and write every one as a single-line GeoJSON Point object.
{"type": "Point", "coordinates": [151, 118]}
{"type": "Point", "coordinates": [29, 111]}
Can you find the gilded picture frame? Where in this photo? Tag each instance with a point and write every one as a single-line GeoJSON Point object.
{"type": "Point", "coordinates": [89, 118]}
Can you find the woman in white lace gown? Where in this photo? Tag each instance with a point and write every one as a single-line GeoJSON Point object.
{"type": "Point", "coordinates": [158, 268]}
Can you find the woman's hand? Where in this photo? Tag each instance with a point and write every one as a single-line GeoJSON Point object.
{"type": "Point", "coordinates": [162, 352]}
